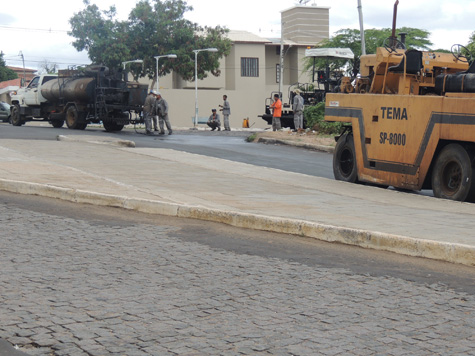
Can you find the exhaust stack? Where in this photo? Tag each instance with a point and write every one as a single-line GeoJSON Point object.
{"type": "Point", "coordinates": [363, 43]}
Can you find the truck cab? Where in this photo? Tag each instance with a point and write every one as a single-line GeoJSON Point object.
{"type": "Point", "coordinates": [31, 95]}
{"type": "Point", "coordinates": [26, 102]}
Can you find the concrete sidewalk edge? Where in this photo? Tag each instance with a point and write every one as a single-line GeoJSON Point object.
{"type": "Point", "coordinates": [449, 252]}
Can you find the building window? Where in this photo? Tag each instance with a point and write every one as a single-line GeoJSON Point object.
{"type": "Point", "coordinates": [277, 73]}
{"type": "Point", "coordinates": [249, 67]}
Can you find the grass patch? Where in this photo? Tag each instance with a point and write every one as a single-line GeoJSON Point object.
{"type": "Point", "coordinates": [251, 138]}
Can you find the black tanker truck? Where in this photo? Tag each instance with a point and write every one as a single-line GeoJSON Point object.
{"type": "Point", "coordinates": [79, 97]}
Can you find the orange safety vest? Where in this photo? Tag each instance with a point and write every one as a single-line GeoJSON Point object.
{"type": "Point", "coordinates": [277, 106]}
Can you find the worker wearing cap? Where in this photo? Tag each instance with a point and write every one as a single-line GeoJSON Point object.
{"type": "Point", "coordinates": [297, 107]}
{"type": "Point", "coordinates": [214, 121]}
{"type": "Point", "coordinates": [149, 111]}
{"type": "Point", "coordinates": [276, 113]}
{"type": "Point", "coordinates": [162, 112]}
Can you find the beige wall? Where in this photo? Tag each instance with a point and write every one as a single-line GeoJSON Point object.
{"type": "Point", "coordinates": [246, 95]}
{"type": "Point", "coordinates": [231, 69]}
{"type": "Point", "coordinates": [182, 105]}
{"type": "Point", "coordinates": [272, 59]}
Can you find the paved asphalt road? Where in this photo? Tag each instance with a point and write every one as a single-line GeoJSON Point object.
{"type": "Point", "coordinates": [227, 145]}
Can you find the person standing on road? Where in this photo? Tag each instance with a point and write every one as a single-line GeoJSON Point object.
{"type": "Point", "coordinates": [155, 121]}
{"type": "Point", "coordinates": [162, 112]}
{"type": "Point", "coordinates": [226, 109]}
{"type": "Point", "coordinates": [213, 121]}
{"type": "Point", "coordinates": [276, 113]}
{"type": "Point", "coordinates": [297, 108]}
{"type": "Point", "coordinates": [149, 111]}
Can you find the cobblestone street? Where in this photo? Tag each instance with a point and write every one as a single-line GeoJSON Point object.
{"type": "Point", "coordinates": [72, 287]}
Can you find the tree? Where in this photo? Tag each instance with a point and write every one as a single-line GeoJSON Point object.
{"type": "Point", "coordinates": [5, 72]}
{"type": "Point", "coordinates": [48, 67]}
{"type": "Point", "coordinates": [351, 38]}
{"type": "Point", "coordinates": [154, 27]}
{"type": "Point", "coordinates": [471, 44]}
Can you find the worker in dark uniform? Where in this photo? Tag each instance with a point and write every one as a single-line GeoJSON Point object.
{"type": "Point", "coordinates": [162, 112]}
{"type": "Point", "coordinates": [214, 121]}
{"type": "Point", "coordinates": [149, 111]}
{"type": "Point", "coordinates": [226, 109]}
{"type": "Point", "coordinates": [297, 107]}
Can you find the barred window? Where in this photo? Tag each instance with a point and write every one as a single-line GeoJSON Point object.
{"type": "Point", "coordinates": [249, 67]}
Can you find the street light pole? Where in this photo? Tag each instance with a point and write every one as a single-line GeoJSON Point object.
{"type": "Point", "coordinates": [157, 58]}
{"type": "Point", "coordinates": [196, 51]}
{"type": "Point", "coordinates": [134, 61]}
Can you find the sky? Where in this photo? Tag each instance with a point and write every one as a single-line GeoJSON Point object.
{"type": "Point", "coordinates": [36, 31]}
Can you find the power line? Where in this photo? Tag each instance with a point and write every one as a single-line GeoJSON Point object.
{"type": "Point", "coordinates": [31, 29]}
{"type": "Point", "coordinates": [31, 63]}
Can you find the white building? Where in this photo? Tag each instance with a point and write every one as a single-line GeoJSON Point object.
{"type": "Point", "coordinates": [251, 71]}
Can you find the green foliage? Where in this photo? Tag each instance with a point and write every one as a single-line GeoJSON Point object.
{"type": "Point", "coordinates": [471, 44]}
{"type": "Point", "coordinates": [251, 138]}
{"type": "Point", "coordinates": [154, 28]}
{"type": "Point", "coordinates": [351, 38]}
{"type": "Point", "coordinates": [314, 115]}
{"type": "Point", "coordinates": [6, 73]}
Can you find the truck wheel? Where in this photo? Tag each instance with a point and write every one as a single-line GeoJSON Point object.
{"type": "Point", "coordinates": [74, 120]}
{"type": "Point", "coordinates": [57, 124]}
{"type": "Point", "coordinates": [111, 126]}
{"type": "Point", "coordinates": [453, 174]}
{"type": "Point", "coordinates": [16, 118]}
{"type": "Point", "coordinates": [344, 160]}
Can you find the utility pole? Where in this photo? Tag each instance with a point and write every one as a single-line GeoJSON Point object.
{"type": "Point", "coordinates": [23, 81]}
{"type": "Point", "coordinates": [281, 69]}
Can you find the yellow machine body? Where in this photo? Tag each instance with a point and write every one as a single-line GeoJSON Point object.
{"type": "Point", "coordinates": [402, 111]}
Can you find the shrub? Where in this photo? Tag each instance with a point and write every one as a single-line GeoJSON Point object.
{"type": "Point", "coordinates": [314, 116]}
{"type": "Point", "coordinates": [251, 138]}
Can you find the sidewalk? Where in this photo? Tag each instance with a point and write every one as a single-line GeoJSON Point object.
{"type": "Point", "coordinates": [162, 181]}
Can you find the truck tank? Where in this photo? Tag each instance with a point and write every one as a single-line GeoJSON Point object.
{"type": "Point", "coordinates": [80, 89]}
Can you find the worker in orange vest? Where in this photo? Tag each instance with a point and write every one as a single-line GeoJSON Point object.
{"type": "Point", "coordinates": [276, 113]}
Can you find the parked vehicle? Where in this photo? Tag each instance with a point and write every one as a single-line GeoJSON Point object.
{"type": "Point", "coordinates": [4, 112]}
{"type": "Point", "coordinates": [79, 97]}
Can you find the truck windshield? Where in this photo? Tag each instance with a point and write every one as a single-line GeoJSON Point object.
{"type": "Point", "coordinates": [34, 82]}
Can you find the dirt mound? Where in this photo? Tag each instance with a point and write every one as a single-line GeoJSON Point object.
{"type": "Point", "coordinates": [300, 137]}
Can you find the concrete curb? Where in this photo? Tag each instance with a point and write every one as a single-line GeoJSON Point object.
{"type": "Point", "coordinates": [308, 146]}
{"type": "Point", "coordinates": [449, 252]}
